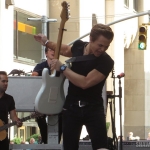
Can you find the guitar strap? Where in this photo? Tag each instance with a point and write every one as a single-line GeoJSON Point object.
{"type": "Point", "coordinates": [81, 58]}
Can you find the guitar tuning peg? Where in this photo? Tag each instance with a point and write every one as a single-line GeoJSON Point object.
{"type": "Point", "coordinates": [68, 3]}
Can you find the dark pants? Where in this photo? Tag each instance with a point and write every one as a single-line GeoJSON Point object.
{"type": "Point", "coordinates": [44, 129]}
{"type": "Point", "coordinates": [92, 116]}
{"type": "Point", "coordinates": [4, 145]}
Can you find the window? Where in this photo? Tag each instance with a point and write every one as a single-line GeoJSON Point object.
{"type": "Point", "coordinates": [26, 49]}
{"type": "Point", "coordinates": [126, 3]}
{"type": "Point", "coordinates": [135, 5]}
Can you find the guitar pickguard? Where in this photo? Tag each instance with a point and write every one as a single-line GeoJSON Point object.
{"type": "Point", "coordinates": [50, 98]}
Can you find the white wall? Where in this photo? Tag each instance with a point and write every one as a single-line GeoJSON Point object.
{"type": "Point", "coordinates": [6, 34]}
{"type": "Point", "coordinates": [87, 8]}
{"type": "Point", "coordinates": [6, 31]}
{"type": "Point", "coordinates": [38, 7]}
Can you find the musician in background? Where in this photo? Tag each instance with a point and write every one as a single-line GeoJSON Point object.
{"type": "Point", "coordinates": [7, 105]}
{"type": "Point", "coordinates": [84, 103]}
{"type": "Point", "coordinates": [37, 71]}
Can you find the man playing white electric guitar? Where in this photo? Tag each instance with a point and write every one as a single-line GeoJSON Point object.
{"type": "Point", "coordinates": [84, 102]}
{"type": "Point", "coordinates": [7, 105]}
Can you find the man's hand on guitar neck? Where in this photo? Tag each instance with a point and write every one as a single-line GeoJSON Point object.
{"type": "Point", "coordinates": [14, 117]}
{"type": "Point", "coordinates": [40, 38]}
{"type": "Point", "coordinates": [55, 64]}
{"type": "Point", "coordinates": [19, 123]}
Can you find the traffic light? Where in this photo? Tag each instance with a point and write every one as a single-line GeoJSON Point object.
{"type": "Point", "coordinates": [142, 37]}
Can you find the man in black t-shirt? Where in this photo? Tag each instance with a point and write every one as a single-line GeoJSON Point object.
{"type": "Point", "coordinates": [37, 71]}
{"type": "Point", "coordinates": [7, 105]}
{"type": "Point", "coordinates": [84, 103]}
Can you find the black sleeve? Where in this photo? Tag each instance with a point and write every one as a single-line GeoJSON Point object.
{"type": "Point", "coordinates": [38, 68]}
{"type": "Point", "coordinates": [105, 65]}
{"type": "Point", "coordinates": [12, 104]}
{"type": "Point", "coordinates": [77, 48]}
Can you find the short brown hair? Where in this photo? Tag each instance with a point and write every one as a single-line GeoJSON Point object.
{"type": "Point", "coordinates": [46, 49]}
{"type": "Point", "coordinates": [3, 73]}
{"type": "Point", "coordinates": [101, 29]}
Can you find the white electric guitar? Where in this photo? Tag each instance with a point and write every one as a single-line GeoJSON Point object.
{"type": "Point", "coordinates": [50, 98]}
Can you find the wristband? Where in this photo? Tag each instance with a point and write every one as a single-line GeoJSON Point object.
{"type": "Point", "coordinates": [46, 42]}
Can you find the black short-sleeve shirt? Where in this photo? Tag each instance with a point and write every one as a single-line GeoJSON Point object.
{"type": "Point", "coordinates": [39, 67]}
{"type": "Point", "coordinates": [103, 64]}
{"type": "Point", "coordinates": [7, 104]}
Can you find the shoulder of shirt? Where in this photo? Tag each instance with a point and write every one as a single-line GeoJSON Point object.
{"type": "Point", "coordinates": [107, 56]}
{"type": "Point", "coordinates": [78, 45]}
{"type": "Point", "coordinates": [79, 42]}
{"type": "Point", "coordinates": [9, 96]}
{"type": "Point", "coordinates": [41, 63]}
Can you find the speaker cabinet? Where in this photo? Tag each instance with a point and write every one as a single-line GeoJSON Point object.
{"type": "Point", "coordinates": [135, 145]}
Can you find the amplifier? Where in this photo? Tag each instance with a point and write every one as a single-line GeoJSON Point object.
{"type": "Point", "coordinates": [85, 145]}
{"type": "Point", "coordinates": [85, 142]}
{"type": "Point", "coordinates": [135, 145]}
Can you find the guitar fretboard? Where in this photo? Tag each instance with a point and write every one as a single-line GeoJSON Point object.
{"type": "Point", "coordinates": [4, 127]}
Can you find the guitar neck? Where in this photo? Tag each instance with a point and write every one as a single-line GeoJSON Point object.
{"type": "Point", "coordinates": [64, 17]}
{"type": "Point", "coordinates": [59, 40]}
{"type": "Point", "coordinates": [6, 126]}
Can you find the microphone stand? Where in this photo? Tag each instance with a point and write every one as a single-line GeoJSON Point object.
{"type": "Point", "coordinates": [120, 108]}
{"type": "Point", "coordinates": [120, 111]}
{"type": "Point", "coordinates": [114, 108]}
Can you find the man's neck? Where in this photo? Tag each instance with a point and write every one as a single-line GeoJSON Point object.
{"type": "Point", "coordinates": [87, 49]}
{"type": "Point", "coordinates": [49, 61]}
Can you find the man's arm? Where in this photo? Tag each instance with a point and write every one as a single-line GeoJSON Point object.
{"type": "Point", "coordinates": [65, 50]}
{"type": "Point", "coordinates": [14, 117]}
{"type": "Point", "coordinates": [34, 73]}
{"type": "Point", "coordinates": [94, 77]}
{"type": "Point", "coordinates": [36, 70]}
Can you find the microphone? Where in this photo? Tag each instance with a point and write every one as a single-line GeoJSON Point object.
{"type": "Point", "coordinates": [120, 75]}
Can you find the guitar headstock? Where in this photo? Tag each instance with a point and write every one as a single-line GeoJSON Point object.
{"type": "Point", "coordinates": [36, 115]}
{"type": "Point", "coordinates": [65, 11]}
